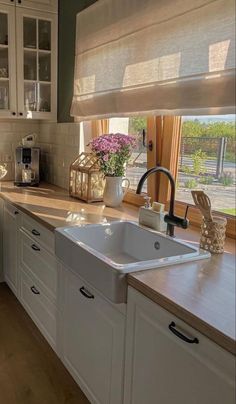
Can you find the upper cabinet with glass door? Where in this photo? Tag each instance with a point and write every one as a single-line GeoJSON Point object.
{"type": "Point", "coordinates": [42, 5]}
{"type": "Point", "coordinates": [8, 102]}
{"type": "Point", "coordinates": [36, 64]}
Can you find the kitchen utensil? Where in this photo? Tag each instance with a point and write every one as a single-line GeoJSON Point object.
{"type": "Point", "coordinates": [203, 203]}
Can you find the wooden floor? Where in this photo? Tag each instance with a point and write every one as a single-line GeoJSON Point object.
{"type": "Point", "coordinates": [30, 372]}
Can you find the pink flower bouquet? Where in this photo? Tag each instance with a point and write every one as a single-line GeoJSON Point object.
{"type": "Point", "coordinates": [113, 151]}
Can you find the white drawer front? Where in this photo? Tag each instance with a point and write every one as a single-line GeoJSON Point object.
{"type": "Point", "coordinates": [39, 264]}
{"type": "Point", "coordinates": [39, 307]}
{"type": "Point", "coordinates": [38, 232]}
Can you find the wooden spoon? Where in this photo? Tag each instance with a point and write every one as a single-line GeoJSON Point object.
{"type": "Point", "coordinates": [203, 203]}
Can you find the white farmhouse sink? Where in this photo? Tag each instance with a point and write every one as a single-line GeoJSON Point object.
{"type": "Point", "coordinates": [104, 253]}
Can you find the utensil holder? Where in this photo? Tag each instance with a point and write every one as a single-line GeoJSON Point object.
{"type": "Point", "coordinates": [213, 235]}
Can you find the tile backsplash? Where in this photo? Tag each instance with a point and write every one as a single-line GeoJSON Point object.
{"type": "Point", "coordinates": [60, 144]}
{"type": "Point", "coordinates": [11, 133]}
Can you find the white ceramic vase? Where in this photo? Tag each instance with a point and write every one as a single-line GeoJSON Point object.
{"type": "Point", "coordinates": [114, 192]}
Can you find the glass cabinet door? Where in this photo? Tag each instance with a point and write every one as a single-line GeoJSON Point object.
{"type": "Point", "coordinates": [7, 64]}
{"type": "Point", "coordinates": [37, 64]}
{"type": "Point", "coordinates": [4, 63]}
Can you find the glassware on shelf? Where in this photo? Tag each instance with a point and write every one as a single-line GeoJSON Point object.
{"type": "Point", "coordinates": [30, 34]}
{"type": "Point", "coordinates": [4, 94]}
{"type": "Point", "coordinates": [44, 67]}
{"type": "Point", "coordinates": [30, 65]}
{"type": "Point", "coordinates": [44, 97]}
{"type": "Point", "coordinates": [4, 63]}
{"type": "Point", "coordinates": [30, 96]}
{"type": "Point", "coordinates": [44, 35]}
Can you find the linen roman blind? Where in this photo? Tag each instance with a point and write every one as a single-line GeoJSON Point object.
{"type": "Point", "coordinates": [154, 57]}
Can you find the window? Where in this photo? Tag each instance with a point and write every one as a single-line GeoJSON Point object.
{"type": "Point", "coordinates": [207, 161]}
{"type": "Point", "coordinates": [143, 157]}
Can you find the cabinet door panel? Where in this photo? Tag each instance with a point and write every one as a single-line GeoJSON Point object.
{"type": "Point", "coordinates": [163, 369]}
{"type": "Point", "coordinates": [93, 342]}
{"type": "Point", "coordinates": [10, 226]}
{"type": "Point", "coordinates": [36, 63]}
{"type": "Point", "coordinates": [8, 105]}
{"type": "Point", "coordinates": [43, 5]}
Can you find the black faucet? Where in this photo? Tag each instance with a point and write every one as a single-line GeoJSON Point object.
{"type": "Point", "coordinates": [170, 218]}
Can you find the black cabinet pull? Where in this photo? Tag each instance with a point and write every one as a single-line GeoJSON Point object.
{"type": "Point", "coordinates": [182, 336]}
{"type": "Point", "coordinates": [19, 1]}
{"type": "Point", "coordinates": [34, 290]}
{"type": "Point", "coordinates": [13, 113]}
{"type": "Point", "coordinates": [35, 247]}
{"type": "Point", "coordinates": [21, 113]}
{"type": "Point", "coordinates": [16, 212]}
{"type": "Point", "coordinates": [86, 293]}
{"type": "Point", "coordinates": [35, 232]}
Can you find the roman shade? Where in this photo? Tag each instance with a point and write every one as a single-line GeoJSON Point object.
{"type": "Point", "coordinates": [154, 57]}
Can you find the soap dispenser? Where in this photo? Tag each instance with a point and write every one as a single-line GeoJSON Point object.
{"type": "Point", "coordinates": [153, 215]}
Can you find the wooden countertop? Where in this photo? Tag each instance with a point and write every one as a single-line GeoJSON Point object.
{"type": "Point", "coordinates": [202, 293]}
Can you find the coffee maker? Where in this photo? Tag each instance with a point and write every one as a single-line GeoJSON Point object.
{"type": "Point", "coordinates": [27, 166]}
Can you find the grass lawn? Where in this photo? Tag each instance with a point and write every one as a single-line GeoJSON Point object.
{"type": "Point", "coordinates": [229, 211]}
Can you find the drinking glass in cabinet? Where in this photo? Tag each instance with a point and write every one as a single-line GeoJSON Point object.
{"type": "Point", "coordinates": [4, 95]}
{"type": "Point", "coordinates": [44, 35]}
{"type": "Point", "coordinates": [30, 65]}
{"type": "Point", "coordinates": [30, 35]}
{"type": "Point", "coordinates": [30, 96]}
{"type": "Point", "coordinates": [3, 29]}
{"type": "Point", "coordinates": [3, 63]}
{"type": "Point", "coordinates": [44, 67]}
{"type": "Point", "coordinates": [44, 97]}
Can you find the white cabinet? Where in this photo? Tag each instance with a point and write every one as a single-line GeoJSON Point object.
{"type": "Point", "coordinates": [10, 228]}
{"type": "Point", "coordinates": [44, 5]}
{"type": "Point", "coordinates": [28, 62]}
{"type": "Point", "coordinates": [8, 102]}
{"type": "Point", "coordinates": [36, 63]}
{"type": "Point", "coordinates": [162, 368]}
{"type": "Point", "coordinates": [93, 341]}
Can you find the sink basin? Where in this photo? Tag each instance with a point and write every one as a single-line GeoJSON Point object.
{"type": "Point", "coordinates": [104, 253]}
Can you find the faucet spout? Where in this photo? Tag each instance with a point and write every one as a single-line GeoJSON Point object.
{"type": "Point", "coordinates": [170, 219]}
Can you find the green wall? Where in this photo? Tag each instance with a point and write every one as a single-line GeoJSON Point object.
{"type": "Point", "coordinates": [66, 53]}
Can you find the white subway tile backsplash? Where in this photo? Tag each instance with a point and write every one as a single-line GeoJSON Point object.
{"type": "Point", "coordinates": [11, 133]}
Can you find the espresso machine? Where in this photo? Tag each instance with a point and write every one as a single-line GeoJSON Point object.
{"type": "Point", "coordinates": [27, 166]}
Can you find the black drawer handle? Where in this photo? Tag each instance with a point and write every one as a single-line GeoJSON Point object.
{"type": "Point", "coordinates": [35, 232]}
{"type": "Point", "coordinates": [182, 336]}
{"type": "Point", "coordinates": [16, 212]}
{"type": "Point", "coordinates": [34, 290]}
{"type": "Point", "coordinates": [35, 247]}
{"type": "Point", "coordinates": [86, 293]}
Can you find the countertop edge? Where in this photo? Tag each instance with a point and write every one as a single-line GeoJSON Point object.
{"type": "Point", "coordinates": [193, 321]}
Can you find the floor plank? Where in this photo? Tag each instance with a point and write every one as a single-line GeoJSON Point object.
{"type": "Point", "coordinates": [30, 372]}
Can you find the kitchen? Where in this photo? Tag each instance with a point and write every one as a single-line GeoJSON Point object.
{"type": "Point", "coordinates": [97, 303]}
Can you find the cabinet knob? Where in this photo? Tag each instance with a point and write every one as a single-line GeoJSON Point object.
{"type": "Point", "coordinates": [21, 113]}
{"type": "Point", "coordinates": [16, 212]}
{"type": "Point", "coordinates": [13, 113]}
{"type": "Point", "coordinates": [19, 1]}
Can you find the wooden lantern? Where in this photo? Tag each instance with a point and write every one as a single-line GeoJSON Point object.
{"type": "Point", "coordinates": [86, 180]}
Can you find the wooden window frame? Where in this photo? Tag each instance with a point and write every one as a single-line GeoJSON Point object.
{"type": "Point", "coordinates": [165, 133]}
